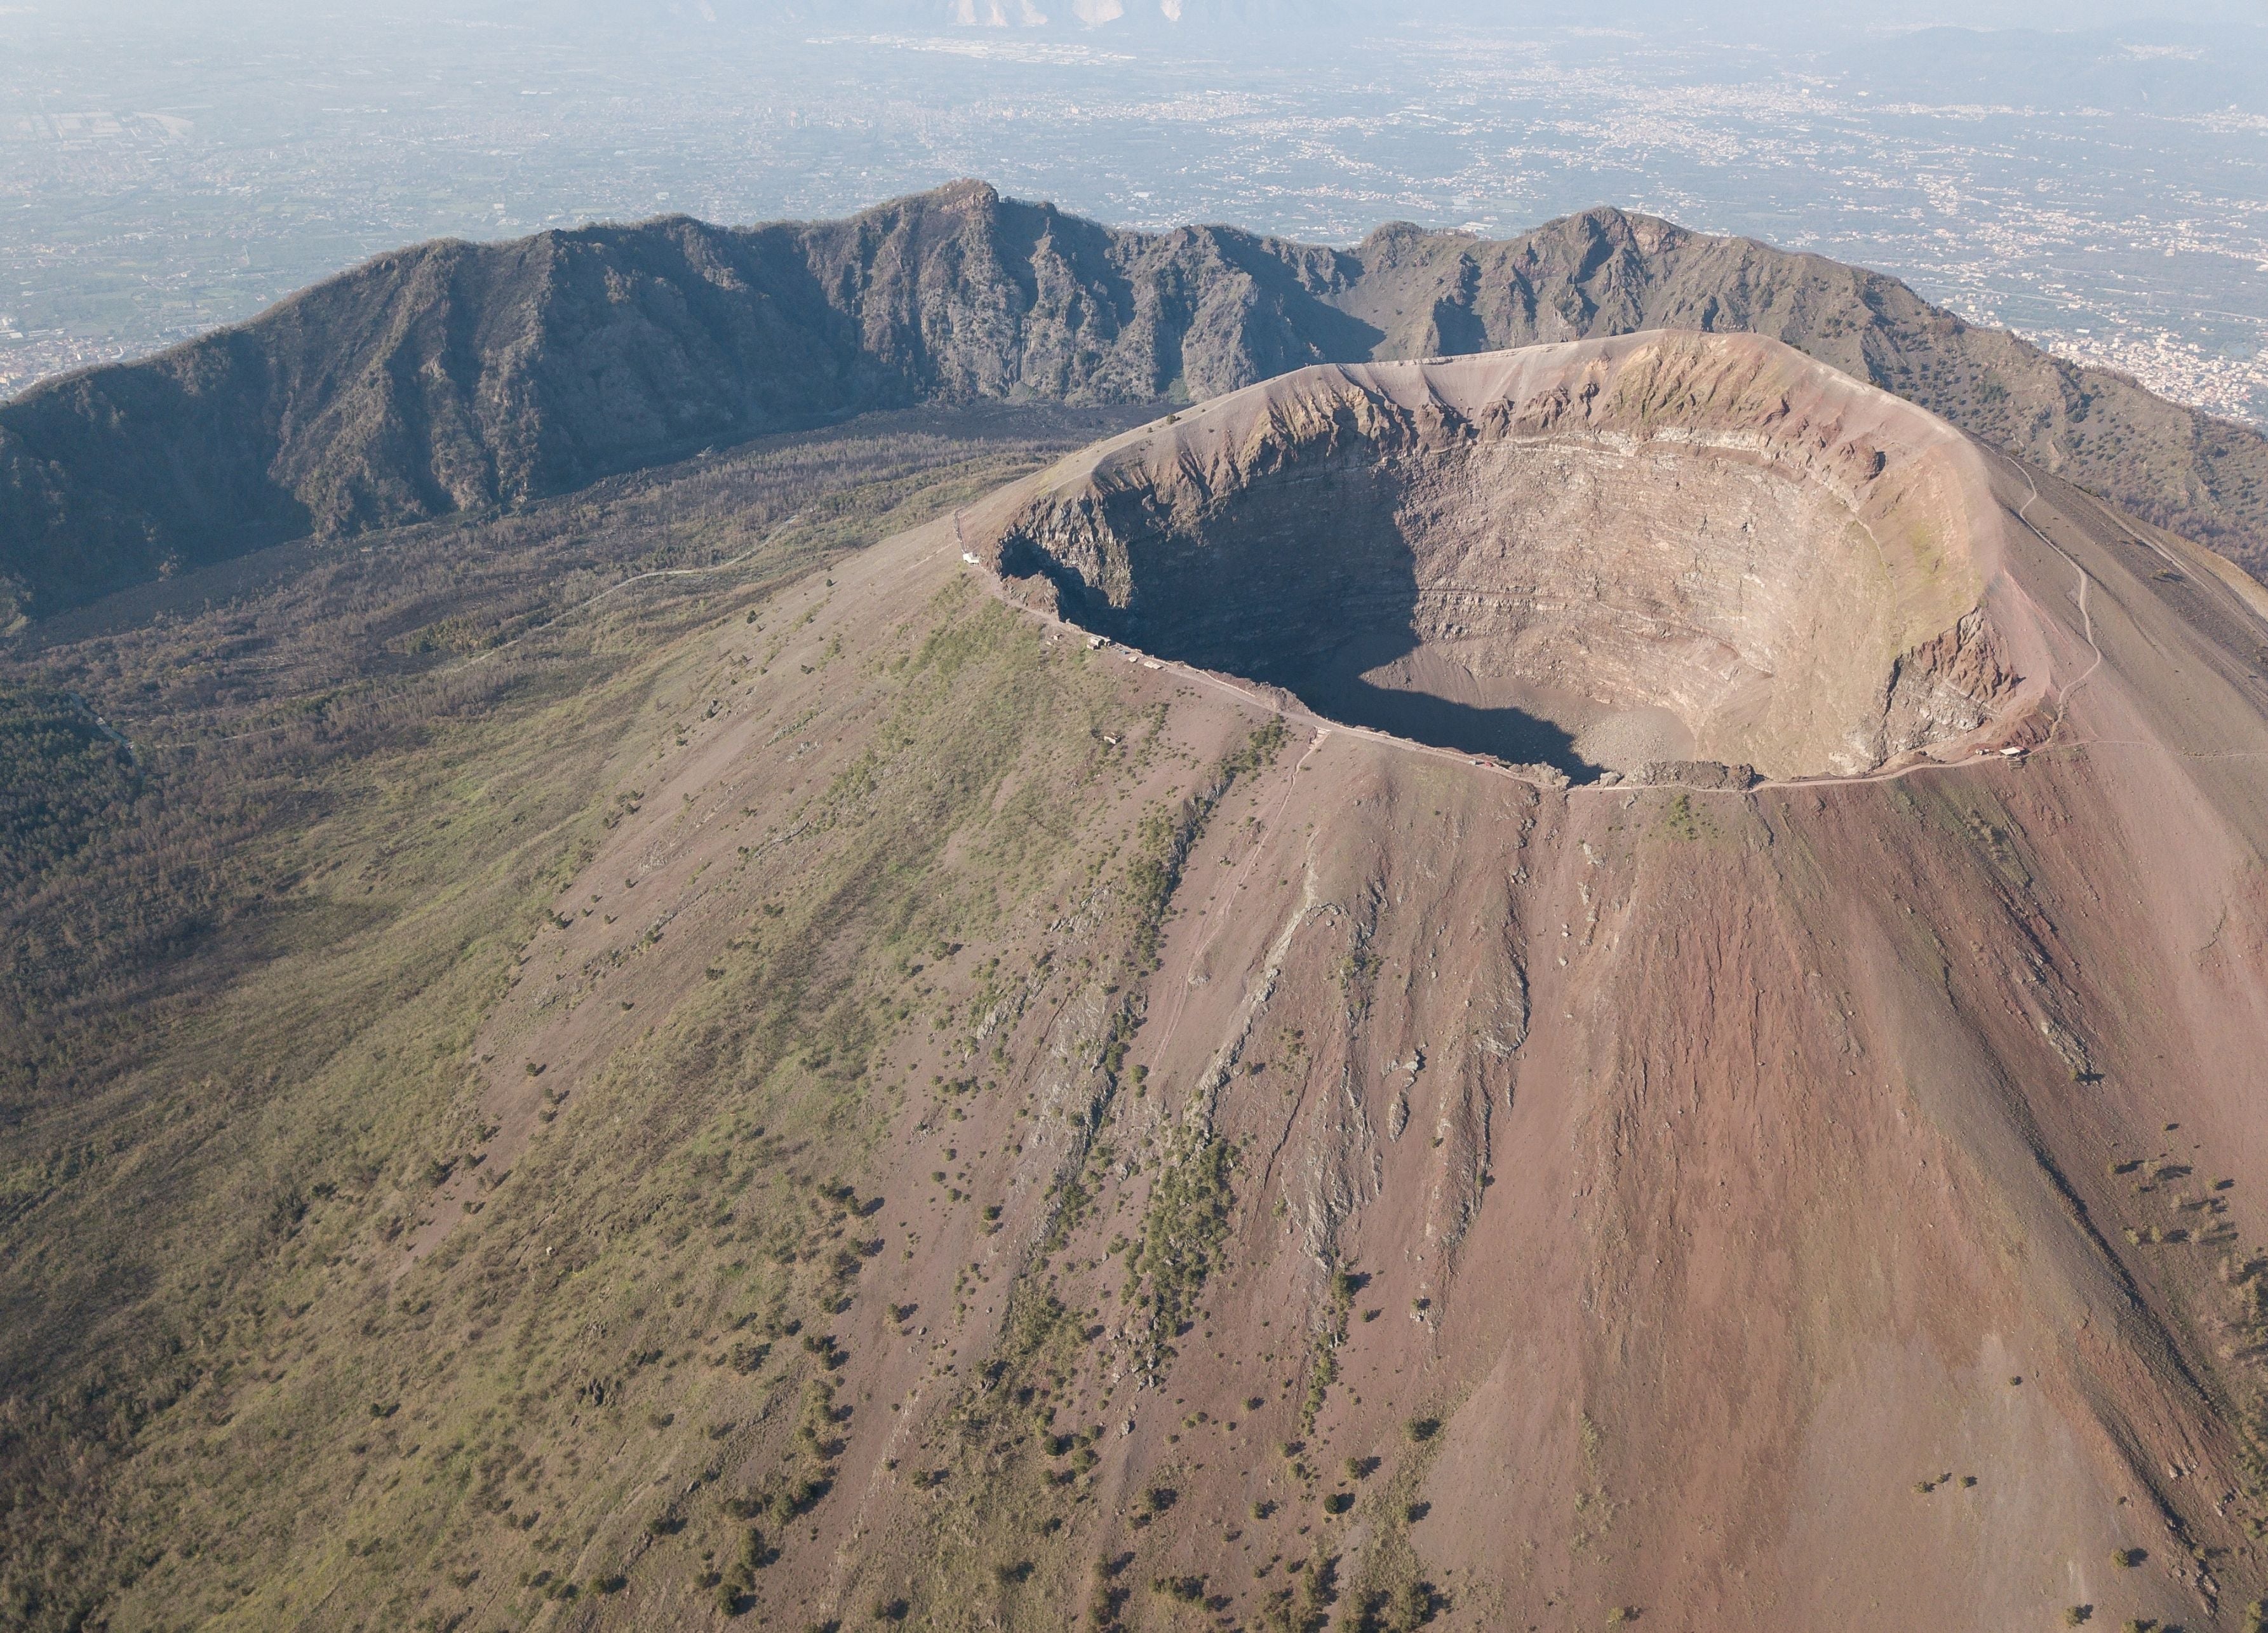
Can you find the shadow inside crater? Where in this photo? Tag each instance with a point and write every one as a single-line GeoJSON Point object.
{"type": "Point", "coordinates": [1335, 680]}
{"type": "Point", "coordinates": [1321, 643]}
{"type": "Point", "coordinates": [1505, 734]}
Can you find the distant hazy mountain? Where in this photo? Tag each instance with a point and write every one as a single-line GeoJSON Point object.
{"type": "Point", "coordinates": [2011, 17]}
{"type": "Point", "coordinates": [1015, 14]}
{"type": "Point", "coordinates": [1097, 13]}
{"type": "Point", "coordinates": [454, 376]}
{"type": "Point", "coordinates": [2160, 67]}
{"type": "Point", "coordinates": [1170, 19]}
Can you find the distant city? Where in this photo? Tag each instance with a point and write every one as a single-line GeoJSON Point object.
{"type": "Point", "coordinates": [2105, 194]}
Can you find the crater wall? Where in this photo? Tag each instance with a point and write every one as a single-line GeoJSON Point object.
{"type": "Point", "coordinates": [1604, 555]}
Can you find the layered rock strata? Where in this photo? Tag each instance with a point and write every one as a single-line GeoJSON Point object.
{"type": "Point", "coordinates": [1605, 554]}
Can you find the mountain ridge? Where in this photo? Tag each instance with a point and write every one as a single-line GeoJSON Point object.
{"type": "Point", "coordinates": [450, 376]}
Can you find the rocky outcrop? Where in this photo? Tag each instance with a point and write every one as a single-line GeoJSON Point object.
{"type": "Point", "coordinates": [1710, 774]}
{"type": "Point", "coordinates": [1947, 686]}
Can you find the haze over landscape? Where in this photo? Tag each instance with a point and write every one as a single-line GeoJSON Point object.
{"type": "Point", "coordinates": [2093, 178]}
{"type": "Point", "coordinates": [1155, 815]}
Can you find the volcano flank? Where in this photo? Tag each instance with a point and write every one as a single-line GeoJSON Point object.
{"type": "Point", "coordinates": [1618, 981]}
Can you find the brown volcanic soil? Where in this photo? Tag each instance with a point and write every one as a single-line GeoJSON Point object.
{"type": "Point", "coordinates": [1733, 1176]}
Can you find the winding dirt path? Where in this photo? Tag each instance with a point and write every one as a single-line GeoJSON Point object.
{"type": "Point", "coordinates": [2086, 618]}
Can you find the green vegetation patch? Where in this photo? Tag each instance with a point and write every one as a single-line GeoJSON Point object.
{"type": "Point", "coordinates": [1184, 1229]}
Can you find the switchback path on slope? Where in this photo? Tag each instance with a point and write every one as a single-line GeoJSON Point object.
{"type": "Point", "coordinates": [2086, 617]}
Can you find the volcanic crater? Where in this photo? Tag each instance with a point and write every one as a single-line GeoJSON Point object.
{"type": "Point", "coordinates": [1659, 557]}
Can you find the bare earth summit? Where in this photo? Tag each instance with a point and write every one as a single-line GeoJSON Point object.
{"type": "Point", "coordinates": [1712, 1138]}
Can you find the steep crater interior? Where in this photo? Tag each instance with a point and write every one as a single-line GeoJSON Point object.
{"type": "Point", "coordinates": [1607, 557]}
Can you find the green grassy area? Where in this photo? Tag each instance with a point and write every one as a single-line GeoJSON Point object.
{"type": "Point", "coordinates": [253, 954]}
